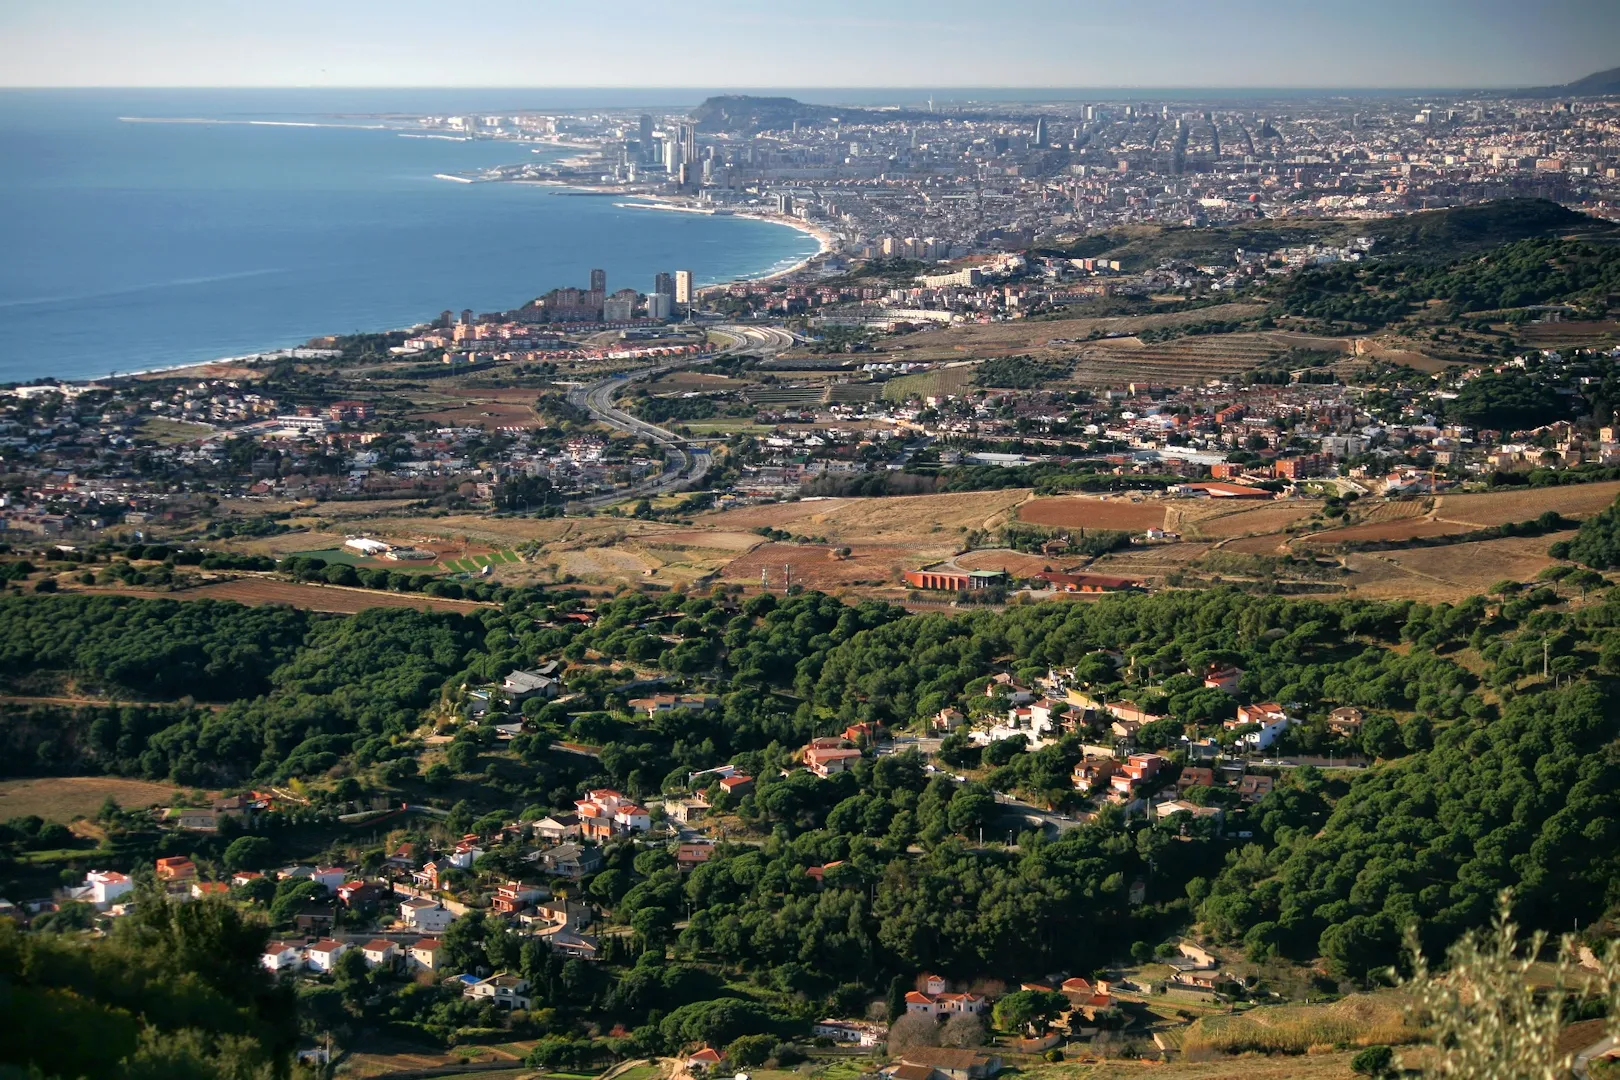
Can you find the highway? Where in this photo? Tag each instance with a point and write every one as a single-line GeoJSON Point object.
{"type": "Point", "coordinates": [685, 464]}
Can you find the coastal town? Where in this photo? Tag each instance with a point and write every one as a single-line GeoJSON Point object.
{"type": "Point", "coordinates": [1141, 599]}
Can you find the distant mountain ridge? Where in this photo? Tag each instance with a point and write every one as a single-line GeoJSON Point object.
{"type": "Point", "coordinates": [744, 113]}
{"type": "Point", "coordinates": [1597, 84]}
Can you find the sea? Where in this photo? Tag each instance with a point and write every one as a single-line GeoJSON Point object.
{"type": "Point", "coordinates": [254, 220]}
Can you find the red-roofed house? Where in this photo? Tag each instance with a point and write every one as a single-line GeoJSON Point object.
{"type": "Point", "coordinates": [605, 813]}
{"type": "Point", "coordinates": [825, 761]}
{"type": "Point", "coordinates": [703, 1060]}
{"type": "Point", "coordinates": [378, 952]}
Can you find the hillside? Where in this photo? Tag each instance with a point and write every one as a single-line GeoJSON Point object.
{"type": "Point", "coordinates": [1597, 84]}
{"type": "Point", "coordinates": [746, 113]}
{"type": "Point", "coordinates": [1430, 234]}
{"type": "Point", "coordinates": [1447, 234]}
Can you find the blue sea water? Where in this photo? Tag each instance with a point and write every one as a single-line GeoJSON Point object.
{"type": "Point", "coordinates": [129, 246]}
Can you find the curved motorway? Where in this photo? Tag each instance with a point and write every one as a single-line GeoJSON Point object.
{"type": "Point", "coordinates": [685, 464]}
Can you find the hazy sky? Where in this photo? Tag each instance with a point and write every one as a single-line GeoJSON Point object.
{"type": "Point", "coordinates": [823, 43]}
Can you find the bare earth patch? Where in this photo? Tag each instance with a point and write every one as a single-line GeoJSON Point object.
{"type": "Point", "coordinates": [1085, 512]}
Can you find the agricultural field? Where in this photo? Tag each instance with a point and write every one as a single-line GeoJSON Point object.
{"type": "Point", "coordinates": [814, 567]}
{"type": "Point", "coordinates": [953, 378]}
{"type": "Point", "coordinates": [1036, 336]}
{"type": "Point", "coordinates": [687, 382]}
{"type": "Point", "coordinates": [471, 564]}
{"type": "Point", "coordinates": [1400, 529]}
{"type": "Point", "coordinates": [1322, 1066]}
{"type": "Point", "coordinates": [1448, 574]}
{"type": "Point", "coordinates": [1187, 360]}
{"type": "Point", "coordinates": [488, 415]}
{"type": "Point", "coordinates": [1359, 1020]}
{"type": "Point", "coordinates": [1254, 518]}
{"type": "Point", "coordinates": [1522, 504]}
{"type": "Point", "coordinates": [1261, 544]}
{"type": "Point", "coordinates": [1572, 334]}
{"type": "Point", "coordinates": [929, 520]}
{"type": "Point", "coordinates": [1392, 509]}
{"type": "Point", "coordinates": [1090, 512]}
{"type": "Point", "coordinates": [63, 798]}
{"type": "Point", "coordinates": [171, 432]}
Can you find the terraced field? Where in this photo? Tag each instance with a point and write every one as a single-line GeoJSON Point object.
{"type": "Point", "coordinates": [1182, 361]}
{"type": "Point", "coordinates": [939, 382]}
{"type": "Point", "coordinates": [1408, 529]}
{"type": "Point", "coordinates": [1260, 518]}
{"type": "Point", "coordinates": [1393, 510]}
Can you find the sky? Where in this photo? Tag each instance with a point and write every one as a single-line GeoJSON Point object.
{"type": "Point", "coordinates": [826, 43]}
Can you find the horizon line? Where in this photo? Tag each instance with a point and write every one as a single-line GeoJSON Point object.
{"type": "Point", "coordinates": [897, 87]}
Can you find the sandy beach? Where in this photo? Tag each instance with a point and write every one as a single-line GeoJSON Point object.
{"type": "Point", "coordinates": [823, 237]}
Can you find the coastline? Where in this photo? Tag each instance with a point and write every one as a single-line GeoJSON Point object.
{"type": "Point", "coordinates": [823, 237]}
{"type": "Point", "coordinates": [246, 365]}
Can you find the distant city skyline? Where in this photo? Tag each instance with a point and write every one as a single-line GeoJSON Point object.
{"type": "Point", "coordinates": [1112, 44]}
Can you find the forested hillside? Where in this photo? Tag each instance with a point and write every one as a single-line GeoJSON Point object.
{"type": "Point", "coordinates": [1490, 775]}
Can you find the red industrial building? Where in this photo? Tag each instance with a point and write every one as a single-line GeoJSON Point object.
{"type": "Point", "coordinates": [1087, 582]}
{"type": "Point", "coordinates": [954, 580]}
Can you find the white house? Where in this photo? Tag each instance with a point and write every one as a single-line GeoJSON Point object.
{"type": "Point", "coordinates": [1270, 717]}
{"type": "Point", "coordinates": [378, 952]}
{"type": "Point", "coordinates": [330, 876]}
{"type": "Point", "coordinates": [466, 853]}
{"type": "Point", "coordinates": [428, 916]}
{"type": "Point", "coordinates": [281, 956]}
{"type": "Point", "coordinates": [324, 954]}
{"type": "Point", "coordinates": [103, 887]}
{"type": "Point", "coordinates": [505, 990]}
{"type": "Point", "coordinates": [423, 954]}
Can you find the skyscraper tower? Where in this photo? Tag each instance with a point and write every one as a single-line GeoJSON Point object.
{"type": "Point", "coordinates": [664, 284]}
{"type": "Point", "coordinates": [683, 287]}
{"type": "Point", "coordinates": [689, 142]}
{"type": "Point", "coordinates": [599, 281]}
{"type": "Point", "coordinates": [1040, 131]}
{"type": "Point", "coordinates": [646, 130]}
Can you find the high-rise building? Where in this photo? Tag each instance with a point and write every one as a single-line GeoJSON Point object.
{"type": "Point", "coordinates": [664, 284]}
{"type": "Point", "coordinates": [466, 317]}
{"type": "Point", "coordinates": [660, 305]}
{"type": "Point", "coordinates": [645, 131]}
{"type": "Point", "coordinates": [684, 294]}
{"type": "Point", "coordinates": [1040, 131]}
{"type": "Point", "coordinates": [599, 281]}
{"type": "Point", "coordinates": [784, 203]}
{"type": "Point", "coordinates": [689, 142]}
